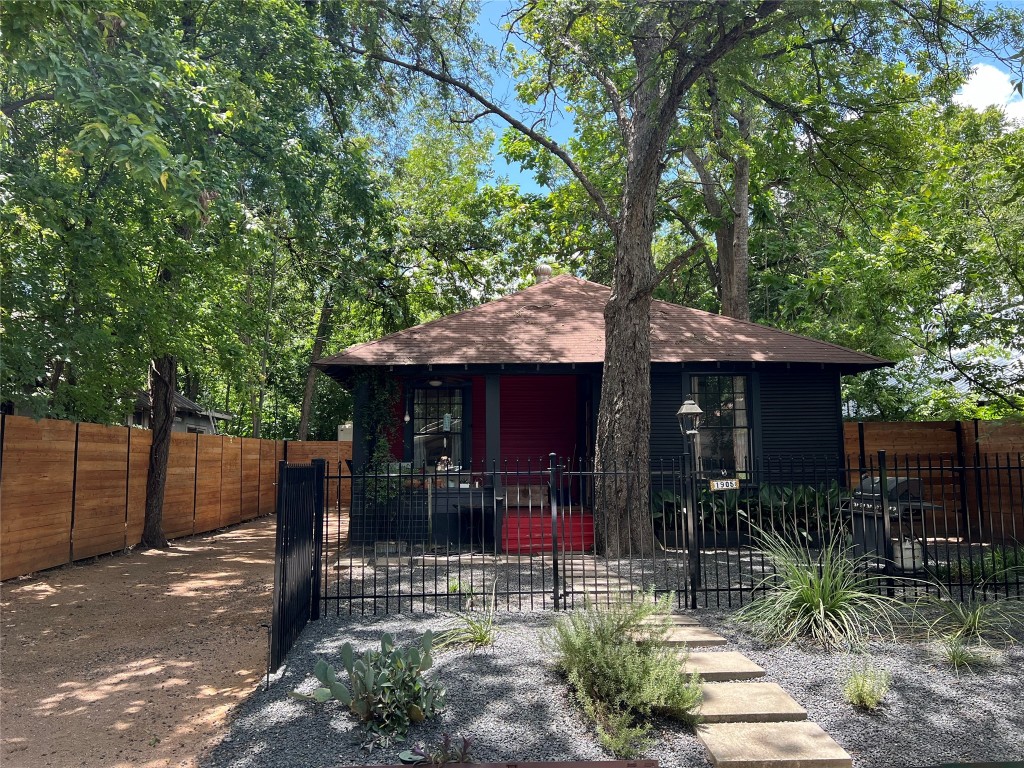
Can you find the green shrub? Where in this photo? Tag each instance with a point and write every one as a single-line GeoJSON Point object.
{"type": "Point", "coordinates": [983, 567]}
{"type": "Point", "coordinates": [867, 687]}
{"type": "Point", "coordinates": [622, 675]}
{"type": "Point", "coordinates": [386, 690]}
{"type": "Point", "coordinates": [828, 596]}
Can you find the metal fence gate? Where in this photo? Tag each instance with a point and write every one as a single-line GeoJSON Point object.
{"type": "Point", "coordinates": [298, 554]}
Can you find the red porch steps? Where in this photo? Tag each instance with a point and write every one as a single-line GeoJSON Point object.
{"type": "Point", "coordinates": [528, 532]}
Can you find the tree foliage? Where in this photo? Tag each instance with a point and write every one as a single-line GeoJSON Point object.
{"type": "Point", "coordinates": [227, 192]}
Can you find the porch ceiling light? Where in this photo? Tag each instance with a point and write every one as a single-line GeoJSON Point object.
{"type": "Point", "coordinates": [688, 416]}
{"type": "Point", "coordinates": [435, 382]}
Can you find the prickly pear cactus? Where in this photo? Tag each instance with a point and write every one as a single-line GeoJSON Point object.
{"type": "Point", "coordinates": [386, 689]}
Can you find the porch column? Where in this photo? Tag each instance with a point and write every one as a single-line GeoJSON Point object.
{"type": "Point", "coordinates": [492, 422]}
{"type": "Point", "coordinates": [360, 404]}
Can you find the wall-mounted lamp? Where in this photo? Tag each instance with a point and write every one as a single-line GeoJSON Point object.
{"type": "Point", "coordinates": [407, 417]}
{"type": "Point", "coordinates": [688, 416]}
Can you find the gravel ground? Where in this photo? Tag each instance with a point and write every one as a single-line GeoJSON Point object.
{"type": "Point", "coordinates": [931, 716]}
{"type": "Point", "coordinates": [505, 699]}
{"type": "Point", "coordinates": [513, 707]}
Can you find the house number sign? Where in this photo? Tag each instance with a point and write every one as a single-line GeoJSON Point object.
{"type": "Point", "coordinates": [725, 484]}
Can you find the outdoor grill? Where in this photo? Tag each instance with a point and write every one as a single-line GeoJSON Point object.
{"type": "Point", "coordinates": [901, 542]}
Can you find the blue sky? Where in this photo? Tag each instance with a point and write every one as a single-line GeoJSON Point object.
{"type": "Point", "coordinates": [990, 84]}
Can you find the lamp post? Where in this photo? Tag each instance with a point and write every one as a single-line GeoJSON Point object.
{"type": "Point", "coordinates": [688, 416]}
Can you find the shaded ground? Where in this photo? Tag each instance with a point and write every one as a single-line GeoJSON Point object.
{"type": "Point", "coordinates": [134, 660]}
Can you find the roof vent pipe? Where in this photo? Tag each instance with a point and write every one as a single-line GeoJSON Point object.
{"type": "Point", "coordinates": [542, 272]}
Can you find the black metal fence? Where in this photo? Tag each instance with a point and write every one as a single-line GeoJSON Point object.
{"type": "Point", "coordinates": [298, 554]}
{"type": "Point", "coordinates": [530, 535]}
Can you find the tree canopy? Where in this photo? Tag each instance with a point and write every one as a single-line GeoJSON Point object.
{"type": "Point", "coordinates": [214, 195]}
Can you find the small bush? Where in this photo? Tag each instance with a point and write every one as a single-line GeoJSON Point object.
{"type": "Point", "coordinates": [622, 675]}
{"type": "Point", "coordinates": [985, 566]}
{"type": "Point", "coordinates": [386, 690]}
{"type": "Point", "coordinates": [828, 596]}
{"type": "Point", "coordinates": [867, 687]}
{"type": "Point", "coordinates": [444, 753]}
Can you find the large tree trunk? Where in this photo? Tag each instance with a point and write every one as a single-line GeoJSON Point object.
{"type": "Point", "coordinates": [624, 526]}
{"type": "Point", "coordinates": [323, 329]}
{"type": "Point", "coordinates": [735, 270]}
{"type": "Point", "coordinates": [162, 383]}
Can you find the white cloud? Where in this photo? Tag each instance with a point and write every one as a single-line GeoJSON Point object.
{"type": "Point", "coordinates": [989, 86]}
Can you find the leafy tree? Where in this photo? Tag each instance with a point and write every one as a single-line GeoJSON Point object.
{"type": "Point", "coordinates": [626, 71]}
{"type": "Point", "coordinates": [928, 273]}
{"type": "Point", "coordinates": [147, 148]}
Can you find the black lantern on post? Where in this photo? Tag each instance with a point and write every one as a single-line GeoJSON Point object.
{"type": "Point", "coordinates": [688, 416]}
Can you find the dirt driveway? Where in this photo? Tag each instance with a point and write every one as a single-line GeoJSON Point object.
{"type": "Point", "coordinates": [134, 660]}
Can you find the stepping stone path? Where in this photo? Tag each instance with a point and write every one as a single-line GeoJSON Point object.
{"type": "Point", "coordinates": [749, 724]}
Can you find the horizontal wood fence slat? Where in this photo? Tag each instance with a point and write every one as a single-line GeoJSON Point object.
{"type": "Point", "coordinates": [36, 495]}
{"type": "Point", "coordinates": [139, 441]}
{"type": "Point", "coordinates": [101, 488]}
{"type": "Point", "coordinates": [230, 481]}
{"type": "Point", "coordinates": [970, 502]}
{"type": "Point", "coordinates": [71, 491]}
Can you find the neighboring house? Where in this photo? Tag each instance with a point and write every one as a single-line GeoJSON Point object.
{"type": "Point", "coordinates": [520, 377]}
{"type": "Point", "coordinates": [188, 416]}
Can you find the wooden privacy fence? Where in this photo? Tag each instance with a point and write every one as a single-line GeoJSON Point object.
{"type": "Point", "coordinates": [70, 491]}
{"type": "Point", "coordinates": [970, 470]}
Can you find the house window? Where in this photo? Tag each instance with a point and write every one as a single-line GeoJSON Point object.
{"type": "Point", "coordinates": [437, 427]}
{"type": "Point", "coordinates": [724, 440]}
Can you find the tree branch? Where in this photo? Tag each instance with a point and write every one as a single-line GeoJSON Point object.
{"type": "Point", "coordinates": [10, 107]}
{"type": "Point", "coordinates": [550, 145]}
{"type": "Point", "coordinates": [677, 261]}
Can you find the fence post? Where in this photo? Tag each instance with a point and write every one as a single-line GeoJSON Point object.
{"type": "Point", "coordinates": [976, 535]}
{"type": "Point", "coordinates": [74, 498]}
{"type": "Point", "coordinates": [860, 443]}
{"type": "Point", "coordinates": [320, 477]}
{"type": "Point", "coordinates": [883, 481]}
{"type": "Point", "coordinates": [280, 569]}
{"type": "Point", "coordinates": [552, 498]}
{"type": "Point", "coordinates": [692, 546]}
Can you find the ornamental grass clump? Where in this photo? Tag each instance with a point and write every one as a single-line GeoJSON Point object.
{"type": "Point", "coordinates": [621, 673]}
{"type": "Point", "coordinates": [474, 631]}
{"type": "Point", "coordinates": [867, 687]}
{"type": "Point", "coordinates": [826, 596]}
{"type": "Point", "coordinates": [963, 655]}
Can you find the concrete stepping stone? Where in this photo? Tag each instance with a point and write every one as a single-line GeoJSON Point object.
{"type": "Point", "coordinates": [772, 745]}
{"type": "Point", "coordinates": [748, 703]}
{"type": "Point", "coordinates": [692, 636]}
{"type": "Point", "coordinates": [718, 666]}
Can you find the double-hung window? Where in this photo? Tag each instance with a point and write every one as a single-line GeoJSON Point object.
{"type": "Point", "coordinates": [724, 440]}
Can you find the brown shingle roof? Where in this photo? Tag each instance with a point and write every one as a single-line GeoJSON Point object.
{"type": "Point", "coordinates": [562, 321]}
